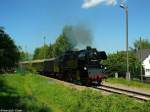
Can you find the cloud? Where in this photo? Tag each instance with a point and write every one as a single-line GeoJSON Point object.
{"type": "Point", "coordinates": [93, 3]}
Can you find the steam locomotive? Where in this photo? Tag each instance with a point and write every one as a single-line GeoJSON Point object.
{"type": "Point", "coordinates": [76, 66]}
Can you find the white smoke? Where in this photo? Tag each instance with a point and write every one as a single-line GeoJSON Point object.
{"type": "Point", "coordinates": [93, 3]}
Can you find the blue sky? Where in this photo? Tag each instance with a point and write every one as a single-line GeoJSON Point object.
{"type": "Point", "coordinates": [28, 21]}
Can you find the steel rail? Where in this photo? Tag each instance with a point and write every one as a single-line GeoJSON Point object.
{"type": "Point", "coordinates": [134, 94]}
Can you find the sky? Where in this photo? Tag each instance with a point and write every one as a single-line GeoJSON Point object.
{"type": "Point", "coordinates": [28, 21]}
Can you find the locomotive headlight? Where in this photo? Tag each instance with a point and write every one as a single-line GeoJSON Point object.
{"type": "Point", "coordinates": [95, 53]}
{"type": "Point", "coordinates": [85, 68]}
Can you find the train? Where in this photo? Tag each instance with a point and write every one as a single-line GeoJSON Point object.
{"type": "Point", "coordinates": [82, 66]}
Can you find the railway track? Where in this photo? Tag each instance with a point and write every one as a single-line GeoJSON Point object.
{"type": "Point", "coordinates": [135, 94]}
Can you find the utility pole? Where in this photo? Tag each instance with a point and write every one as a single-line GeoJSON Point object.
{"type": "Point", "coordinates": [125, 7]}
{"type": "Point", "coordinates": [141, 59]}
{"type": "Point", "coordinates": [26, 53]}
{"type": "Point", "coordinates": [44, 38]}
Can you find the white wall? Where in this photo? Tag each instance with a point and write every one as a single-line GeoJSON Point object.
{"type": "Point", "coordinates": [146, 65]}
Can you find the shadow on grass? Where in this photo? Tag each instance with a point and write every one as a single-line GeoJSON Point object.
{"type": "Point", "coordinates": [10, 99]}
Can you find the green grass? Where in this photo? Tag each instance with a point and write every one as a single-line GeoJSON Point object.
{"type": "Point", "coordinates": [35, 93]}
{"type": "Point", "coordinates": [128, 83]}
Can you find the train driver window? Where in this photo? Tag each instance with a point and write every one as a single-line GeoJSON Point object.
{"type": "Point", "coordinates": [82, 55]}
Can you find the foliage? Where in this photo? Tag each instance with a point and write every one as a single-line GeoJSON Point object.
{"type": "Point", "coordinates": [61, 45]}
{"type": "Point", "coordinates": [9, 53]}
{"type": "Point", "coordinates": [34, 93]}
{"type": "Point", "coordinates": [41, 52]}
{"type": "Point", "coordinates": [116, 62]}
{"type": "Point", "coordinates": [29, 68]}
{"type": "Point", "coordinates": [50, 51]}
{"type": "Point", "coordinates": [128, 83]}
{"type": "Point", "coordinates": [24, 56]}
{"type": "Point", "coordinates": [140, 44]}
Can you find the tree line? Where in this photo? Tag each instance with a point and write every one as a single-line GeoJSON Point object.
{"type": "Point", "coordinates": [116, 62]}
{"type": "Point", "coordinates": [61, 45]}
{"type": "Point", "coordinates": [9, 52]}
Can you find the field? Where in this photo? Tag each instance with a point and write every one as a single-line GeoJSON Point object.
{"type": "Point", "coordinates": [34, 93]}
{"type": "Point", "coordinates": [122, 81]}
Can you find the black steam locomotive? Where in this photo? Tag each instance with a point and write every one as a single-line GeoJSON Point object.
{"type": "Point", "coordinates": [76, 66]}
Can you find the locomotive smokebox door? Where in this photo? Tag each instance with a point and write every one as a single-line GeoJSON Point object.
{"type": "Point", "coordinates": [96, 75]}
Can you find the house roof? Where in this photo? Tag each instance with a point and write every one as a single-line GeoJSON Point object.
{"type": "Point", "coordinates": [143, 54]}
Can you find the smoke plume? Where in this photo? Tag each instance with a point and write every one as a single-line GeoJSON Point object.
{"type": "Point", "coordinates": [79, 36]}
{"type": "Point", "coordinates": [93, 3]}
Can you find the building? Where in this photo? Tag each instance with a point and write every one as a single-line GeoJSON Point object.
{"type": "Point", "coordinates": [144, 56]}
{"type": "Point", "coordinates": [146, 65]}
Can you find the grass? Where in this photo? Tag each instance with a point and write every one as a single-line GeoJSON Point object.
{"type": "Point", "coordinates": [31, 92]}
{"type": "Point", "coordinates": [128, 83]}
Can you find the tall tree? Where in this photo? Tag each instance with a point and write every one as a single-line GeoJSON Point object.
{"type": "Point", "coordinates": [41, 52]}
{"type": "Point", "coordinates": [9, 53]}
{"type": "Point", "coordinates": [24, 56]}
{"type": "Point", "coordinates": [141, 44]}
{"type": "Point", "coordinates": [61, 45]}
{"type": "Point", "coordinates": [50, 51]}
